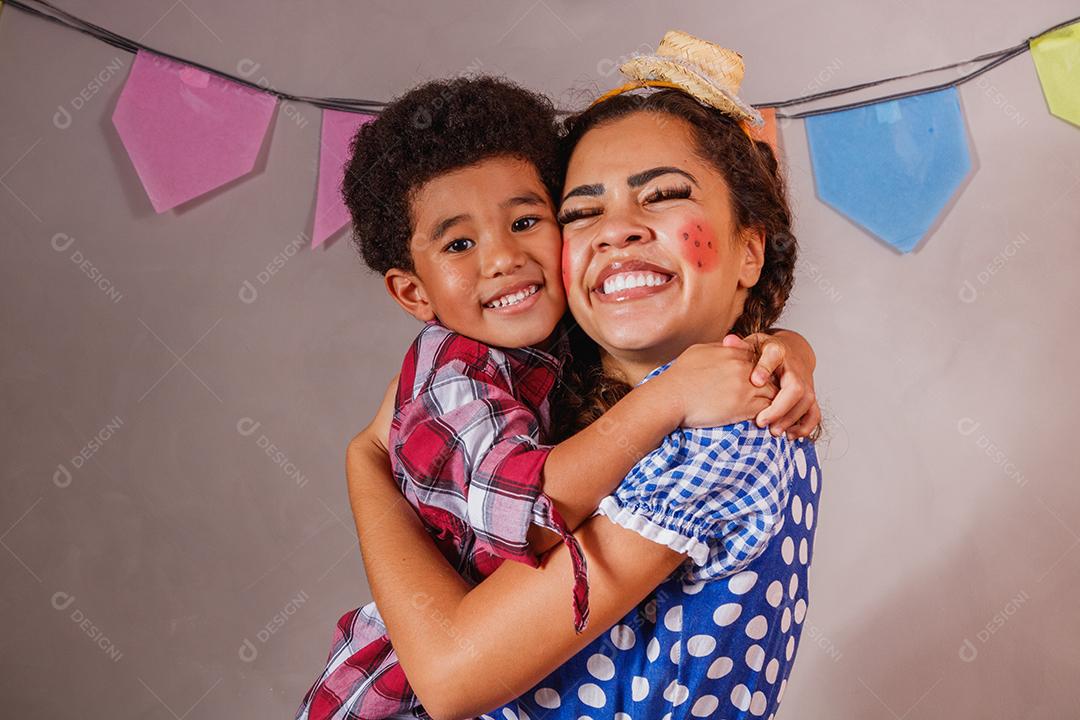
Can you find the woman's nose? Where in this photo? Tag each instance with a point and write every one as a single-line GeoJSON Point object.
{"type": "Point", "coordinates": [620, 230]}
{"type": "Point", "coordinates": [501, 256]}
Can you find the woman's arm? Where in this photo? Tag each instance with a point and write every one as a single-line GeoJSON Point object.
{"type": "Point", "coordinates": [707, 385]}
{"type": "Point", "coordinates": [504, 635]}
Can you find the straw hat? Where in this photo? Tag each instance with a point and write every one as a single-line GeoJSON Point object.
{"type": "Point", "coordinates": [710, 73]}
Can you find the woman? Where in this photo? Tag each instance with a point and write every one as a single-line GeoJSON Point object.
{"type": "Point", "coordinates": [699, 565]}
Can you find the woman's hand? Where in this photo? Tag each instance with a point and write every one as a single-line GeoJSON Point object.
{"type": "Point", "coordinates": [787, 357]}
{"type": "Point", "coordinates": [710, 383]}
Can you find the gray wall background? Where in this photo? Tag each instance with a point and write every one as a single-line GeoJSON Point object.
{"type": "Point", "coordinates": [947, 576]}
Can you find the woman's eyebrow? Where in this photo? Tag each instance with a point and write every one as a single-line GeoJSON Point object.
{"type": "Point", "coordinates": [638, 179]}
{"type": "Point", "coordinates": [588, 190]}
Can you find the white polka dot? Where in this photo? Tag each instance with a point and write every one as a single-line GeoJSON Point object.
{"type": "Point", "coordinates": [787, 549]}
{"type": "Point", "coordinates": [639, 688]}
{"type": "Point", "coordinates": [592, 695]}
{"type": "Point", "coordinates": [796, 508]}
{"type": "Point", "coordinates": [755, 657]}
{"type": "Point", "coordinates": [623, 637]}
{"type": "Point", "coordinates": [726, 614]}
{"type": "Point", "coordinates": [509, 714]}
{"type": "Point", "coordinates": [547, 698]}
{"type": "Point", "coordinates": [676, 652]}
{"type": "Point", "coordinates": [758, 703]}
{"type": "Point", "coordinates": [693, 588]}
{"type": "Point", "coordinates": [800, 610]}
{"type": "Point", "coordinates": [740, 697]}
{"type": "Point", "coordinates": [804, 551]}
{"type": "Point", "coordinates": [720, 667]}
{"type": "Point", "coordinates": [800, 462]}
{"type": "Point", "coordinates": [813, 479]}
{"type": "Point", "coordinates": [785, 620]}
{"type": "Point", "coordinates": [780, 694]}
{"type": "Point", "coordinates": [622, 716]}
{"type": "Point", "coordinates": [700, 645]}
{"type": "Point", "coordinates": [742, 582]}
{"type": "Point", "coordinates": [676, 694]}
{"type": "Point", "coordinates": [789, 652]}
{"type": "Point", "coordinates": [809, 516]}
{"type": "Point", "coordinates": [653, 651]}
{"type": "Point", "coordinates": [793, 586]}
{"type": "Point", "coordinates": [771, 670]}
{"type": "Point", "coordinates": [705, 706]}
{"type": "Point", "coordinates": [757, 627]}
{"type": "Point", "coordinates": [601, 667]}
{"type": "Point", "coordinates": [775, 593]}
{"type": "Point", "coordinates": [673, 619]}
{"type": "Point", "coordinates": [667, 716]}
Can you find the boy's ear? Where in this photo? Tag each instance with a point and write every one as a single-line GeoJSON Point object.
{"type": "Point", "coordinates": [408, 291]}
{"type": "Point", "coordinates": [753, 258]}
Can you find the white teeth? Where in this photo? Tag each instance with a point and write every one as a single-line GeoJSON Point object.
{"type": "Point", "coordinates": [513, 298]}
{"type": "Point", "coordinates": [627, 281]}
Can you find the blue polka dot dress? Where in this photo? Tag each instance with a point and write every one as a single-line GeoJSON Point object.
{"type": "Point", "coordinates": [717, 639]}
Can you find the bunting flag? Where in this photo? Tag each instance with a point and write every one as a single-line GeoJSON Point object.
{"type": "Point", "coordinates": [891, 167]}
{"type": "Point", "coordinates": [331, 214]}
{"type": "Point", "coordinates": [188, 131]}
{"type": "Point", "coordinates": [890, 164]}
{"type": "Point", "coordinates": [1057, 61]}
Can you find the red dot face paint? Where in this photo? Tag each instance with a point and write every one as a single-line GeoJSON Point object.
{"type": "Point", "coordinates": [699, 245]}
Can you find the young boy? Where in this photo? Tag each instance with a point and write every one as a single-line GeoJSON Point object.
{"type": "Point", "coordinates": [450, 193]}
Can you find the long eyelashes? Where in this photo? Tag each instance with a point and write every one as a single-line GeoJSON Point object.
{"type": "Point", "coordinates": [569, 216]}
{"type": "Point", "coordinates": [678, 192]}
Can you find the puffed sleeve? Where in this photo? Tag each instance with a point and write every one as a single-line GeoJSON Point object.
{"type": "Point", "coordinates": [715, 494]}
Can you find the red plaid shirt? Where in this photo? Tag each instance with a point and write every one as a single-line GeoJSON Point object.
{"type": "Point", "coordinates": [466, 452]}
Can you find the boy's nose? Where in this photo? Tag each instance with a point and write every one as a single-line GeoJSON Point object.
{"type": "Point", "coordinates": [502, 256]}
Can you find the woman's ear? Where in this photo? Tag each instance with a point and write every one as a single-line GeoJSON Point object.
{"type": "Point", "coordinates": [408, 291]}
{"type": "Point", "coordinates": [753, 256]}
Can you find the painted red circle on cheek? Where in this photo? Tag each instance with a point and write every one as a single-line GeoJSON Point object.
{"type": "Point", "coordinates": [698, 244]}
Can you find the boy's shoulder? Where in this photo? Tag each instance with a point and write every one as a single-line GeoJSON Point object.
{"type": "Point", "coordinates": [439, 353]}
{"type": "Point", "coordinates": [438, 348]}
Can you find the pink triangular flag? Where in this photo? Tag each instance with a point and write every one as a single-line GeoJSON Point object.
{"type": "Point", "coordinates": [188, 131]}
{"type": "Point", "coordinates": [331, 214]}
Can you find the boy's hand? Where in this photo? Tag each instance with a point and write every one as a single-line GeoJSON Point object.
{"type": "Point", "coordinates": [710, 384]}
{"type": "Point", "coordinates": [795, 409]}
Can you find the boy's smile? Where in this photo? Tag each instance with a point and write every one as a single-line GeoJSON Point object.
{"type": "Point", "coordinates": [487, 255]}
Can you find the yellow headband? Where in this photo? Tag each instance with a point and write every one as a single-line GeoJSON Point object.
{"type": "Point", "coordinates": [744, 124]}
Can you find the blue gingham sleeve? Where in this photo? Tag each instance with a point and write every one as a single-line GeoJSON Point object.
{"type": "Point", "coordinates": [715, 494]}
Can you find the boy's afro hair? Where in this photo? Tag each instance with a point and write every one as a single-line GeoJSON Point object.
{"type": "Point", "coordinates": [435, 128]}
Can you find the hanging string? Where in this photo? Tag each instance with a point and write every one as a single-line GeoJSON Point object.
{"type": "Point", "coordinates": [48, 11]}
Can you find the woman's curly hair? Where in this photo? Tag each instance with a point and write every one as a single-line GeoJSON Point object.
{"type": "Point", "coordinates": [436, 128]}
{"type": "Point", "coordinates": [759, 199]}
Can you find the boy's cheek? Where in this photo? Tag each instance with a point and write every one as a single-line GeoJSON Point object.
{"type": "Point", "coordinates": [698, 244]}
